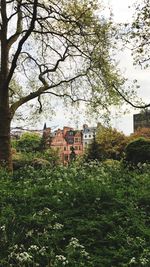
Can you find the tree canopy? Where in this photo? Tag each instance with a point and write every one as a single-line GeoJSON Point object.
{"type": "Point", "coordinates": [54, 48]}
{"type": "Point", "coordinates": [57, 49]}
{"type": "Point", "coordinates": [112, 142]}
{"type": "Point", "coordinates": [141, 132]}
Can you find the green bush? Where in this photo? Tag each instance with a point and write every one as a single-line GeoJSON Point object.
{"type": "Point", "coordinates": [28, 142]}
{"type": "Point", "coordinates": [138, 151]}
{"type": "Point", "coordinates": [37, 159]}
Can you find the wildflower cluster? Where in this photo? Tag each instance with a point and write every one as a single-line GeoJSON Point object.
{"type": "Point", "coordinates": [60, 260]}
{"type": "Point", "coordinates": [75, 248]}
{"type": "Point", "coordinates": [19, 255]}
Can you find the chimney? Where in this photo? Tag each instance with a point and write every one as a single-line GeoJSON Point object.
{"type": "Point", "coordinates": [85, 126]}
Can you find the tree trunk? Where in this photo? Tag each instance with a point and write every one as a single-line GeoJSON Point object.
{"type": "Point", "coordinates": [5, 144]}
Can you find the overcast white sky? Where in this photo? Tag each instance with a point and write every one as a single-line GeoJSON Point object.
{"type": "Point", "coordinates": [120, 9]}
{"type": "Point", "coordinates": [124, 14]}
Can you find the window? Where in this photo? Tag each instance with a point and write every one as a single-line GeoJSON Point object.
{"type": "Point", "coordinates": [85, 136]}
{"type": "Point", "coordinates": [76, 148]}
{"type": "Point", "coordinates": [89, 136]}
{"type": "Point", "coordinates": [66, 157]}
{"type": "Point", "coordinates": [76, 140]}
{"type": "Point", "coordinates": [71, 133]}
{"type": "Point", "coordinates": [65, 148]}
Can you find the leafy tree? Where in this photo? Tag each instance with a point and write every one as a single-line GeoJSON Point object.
{"type": "Point", "coordinates": [94, 151]}
{"type": "Point", "coordinates": [56, 49]}
{"type": "Point", "coordinates": [29, 142]}
{"type": "Point", "coordinates": [111, 141]}
{"type": "Point", "coordinates": [72, 154]}
{"type": "Point", "coordinates": [46, 139]}
{"type": "Point", "coordinates": [138, 151]}
{"type": "Point", "coordinates": [141, 132]}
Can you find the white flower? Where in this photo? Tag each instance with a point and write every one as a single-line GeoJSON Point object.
{"type": "Point", "coordinates": [144, 261]}
{"type": "Point", "coordinates": [84, 253]}
{"type": "Point", "coordinates": [74, 242]}
{"type": "Point", "coordinates": [24, 257]}
{"type": "Point", "coordinates": [42, 251]}
{"type": "Point", "coordinates": [132, 260]}
{"type": "Point", "coordinates": [60, 192]}
{"type": "Point", "coordinates": [33, 247]}
{"type": "Point", "coordinates": [62, 259]}
{"type": "Point", "coordinates": [58, 226]}
{"type": "Point", "coordinates": [29, 233]}
{"type": "Point", "coordinates": [3, 227]}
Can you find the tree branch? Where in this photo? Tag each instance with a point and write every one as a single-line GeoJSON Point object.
{"type": "Point", "coordinates": [128, 101]}
{"type": "Point", "coordinates": [41, 91]}
{"type": "Point", "coordinates": [15, 36]}
{"type": "Point", "coordinates": [22, 41]}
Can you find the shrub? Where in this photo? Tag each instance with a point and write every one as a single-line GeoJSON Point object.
{"type": "Point", "coordinates": [94, 152]}
{"type": "Point", "coordinates": [40, 163]}
{"type": "Point", "coordinates": [28, 142]}
{"type": "Point", "coordinates": [138, 151]}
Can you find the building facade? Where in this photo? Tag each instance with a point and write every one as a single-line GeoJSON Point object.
{"type": "Point", "coordinates": [88, 135]}
{"type": "Point", "coordinates": [66, 141]}
{"type": "Point", "coordinates": [141, 120]}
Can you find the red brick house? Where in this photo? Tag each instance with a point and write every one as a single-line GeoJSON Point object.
{"type": "Point", "coordinates": [64, 140]}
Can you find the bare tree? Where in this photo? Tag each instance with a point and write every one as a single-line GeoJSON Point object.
{"type": "Point", "coordinates": [53, 48]}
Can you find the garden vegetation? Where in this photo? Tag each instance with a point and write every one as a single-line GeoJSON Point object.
{"type": "Point", "coordinates": [90, 215]}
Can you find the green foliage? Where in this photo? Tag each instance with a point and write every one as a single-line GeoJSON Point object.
{"type": "Point", "coordinates": [138, 151]}
{"type": "Point", "coordinates": [28, 142]}
{"type": "Point", "coordinates": [112, 142]}
{"type": "Point", "coordinates": [47, 158]}
{"type": "Point", "coordinates": [78, 216]}
{"type": "Point", "coordinates": [79, 30]}
{"type": "Point", "coordinates": [94, 151]}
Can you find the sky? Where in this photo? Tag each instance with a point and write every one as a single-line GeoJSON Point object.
{"type": "Point", "coordinates": [122, 13]}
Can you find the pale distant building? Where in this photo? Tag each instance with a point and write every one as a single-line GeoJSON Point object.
{"type": "Point", "coordinates": [88, 135]}
{"type": "Point", "coordinates": [141, 120]}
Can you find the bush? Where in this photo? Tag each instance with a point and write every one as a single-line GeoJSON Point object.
{"type": "Point", "coordinates": [36, 159]}
{"type": "Point", "coordinates": [138, 151]}
{"type": "Point", "coordinates": [38, 163]}
{"type": "Point", "coordinates": [28, 142]}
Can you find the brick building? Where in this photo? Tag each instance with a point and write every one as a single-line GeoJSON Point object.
{"type": "Point", "coordinates": [66, 139]}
